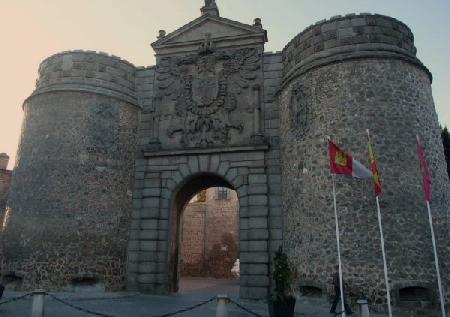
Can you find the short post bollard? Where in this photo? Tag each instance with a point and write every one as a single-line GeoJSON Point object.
{"type": "Point", "coordinates": [222, 301]}
{"type": "Point", "coordinates": [363, 307]}
{"type": "Point", "coordinates": [38, 306]}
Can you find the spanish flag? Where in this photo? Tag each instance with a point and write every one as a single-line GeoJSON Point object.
{"type": "Point", "coordinates": [343, 163]}
{"type": "Point", "coordinates": [375, 173]}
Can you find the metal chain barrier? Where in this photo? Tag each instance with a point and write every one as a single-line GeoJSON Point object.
{"type": "Point", "coordinates": [186, 309]}
{"type": "Point", "coordinates": [77, 307]}
{"type": "Point", "coordinates": [87, 311]}
{"type": "Point", "coordinates": [15, 299]}
{"type": "Point", "coordinates": [245, 309]}
{"type": "Point", "coordinates": [106, 315]}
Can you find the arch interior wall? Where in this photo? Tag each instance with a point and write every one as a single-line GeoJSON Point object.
{"type": "Point", "coordinates": [210, 234]}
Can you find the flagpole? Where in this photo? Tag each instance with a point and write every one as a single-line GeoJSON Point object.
{"type": "Point", "coordinates": [433, 239]}
{"type": "Point", "coordinates": [436, 261]}
{"type": "Point", "coordinates": [388, 293]}
{"type": "Point", "coordinates": [341, 288]}
{"type": "Point", "coordinates": [380, 226]}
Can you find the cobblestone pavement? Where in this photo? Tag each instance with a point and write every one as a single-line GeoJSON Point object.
{"type": "Point", "coordinates": [192, 291]}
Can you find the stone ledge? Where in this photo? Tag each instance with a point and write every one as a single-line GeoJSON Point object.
{"type": "Point", "coordinates": [234, 149]}
{"type": "Point", "coordinates": [324, 60]}
{"type": "Point", "coordinates": [85, 88]}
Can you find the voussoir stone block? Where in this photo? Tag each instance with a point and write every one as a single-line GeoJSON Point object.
{"type": "Point", "coordinates": [257, 179]}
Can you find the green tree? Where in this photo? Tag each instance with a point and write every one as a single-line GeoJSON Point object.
{"type": "Point", "coordinates": [446, 142]}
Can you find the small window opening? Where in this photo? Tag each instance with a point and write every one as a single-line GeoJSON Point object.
{"type": "Point", "coordinates": [84, 281]}
{"type": "Point", "coordinates": [310, 291]}
{"type": "Point", "coordinates": [222, 193]}
{"type": "Point", "coordinates": [414, 294]}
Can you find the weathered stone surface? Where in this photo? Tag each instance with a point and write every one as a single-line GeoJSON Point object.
{"type": "Point", "coordinates": [392, 98]}
{"type": "Point", "coordinates": [210, 235]}
{"type": "Point", "coordinates": [5, 182]}
{"type": "Point", "coordinates": [216, 111]}
{"type": "Point", "coordinates": [71, 193]}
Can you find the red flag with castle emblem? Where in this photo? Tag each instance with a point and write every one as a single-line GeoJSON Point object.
{"type": "Point", "coordinates": [343, 163]}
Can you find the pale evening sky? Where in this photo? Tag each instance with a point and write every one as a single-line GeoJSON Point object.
{"type": "Point", "coordinates": [31, 30]}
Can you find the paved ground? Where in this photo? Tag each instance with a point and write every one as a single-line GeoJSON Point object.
{"type": "Point", "coordinates": [192, 291]}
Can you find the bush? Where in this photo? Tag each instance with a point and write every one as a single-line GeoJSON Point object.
{"type": "Point", "coordinates": [282, 276]}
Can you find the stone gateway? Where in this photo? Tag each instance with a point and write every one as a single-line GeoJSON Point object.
{"type": "Point", "coordinates": [110, 155]}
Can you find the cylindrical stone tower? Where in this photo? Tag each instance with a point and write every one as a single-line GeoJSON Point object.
{"type": "Point", "coordinates": [341, 77]}
{"type": "Point", "coordinates": [68, 212]}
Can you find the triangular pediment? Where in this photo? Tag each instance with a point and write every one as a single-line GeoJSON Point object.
{"type": "Point", "coordinates": [217, 28]}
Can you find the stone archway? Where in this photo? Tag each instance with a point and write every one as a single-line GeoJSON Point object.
{"type": "Point", "coordinates": [189, 188]}
{"type": "Point", "coordinates": [167, 182]}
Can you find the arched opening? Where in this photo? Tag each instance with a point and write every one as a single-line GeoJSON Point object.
{"type": "Point", "coordinates": [204, 235]}
{"type": "Point", "coordinates": [12, 280]}
{"type": "Point", "coordinates": [413, 294]}
{"type": "Point", "coordinates": [86, 282]}
{"type": "Point", "coordinates": [310, 291]}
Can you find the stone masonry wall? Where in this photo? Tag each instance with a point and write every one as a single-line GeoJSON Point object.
{"type": "Point", "coordinates": [87, 70]}
{"type": "Point", "coordinates": [326, 37]}
{"type": "Point", "coordinates": [272, 80]}
{"type": "Point", "coordinates": [193, 242]}
{"type": "Point", "coordinates": [392, 97]}
{"type": "Point", "coordinates": [110, 155]}
{"type": "Point", "coordinates": [5, 181]}
{"type": "Point", "coordinates": [154, 225]}
{"type": "Point", "coordinates": [202, 126]}
{"type": "Point", "coordinates": [210, 238]}
{"type": "Point", "coordinates": [223, 235]}
{"type": "Point", "coordinates": [70, 201]}
{"type": "Point", "coordinates": [145, 77]}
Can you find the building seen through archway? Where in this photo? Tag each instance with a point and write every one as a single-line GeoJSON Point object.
{"type": "Point", "coordinates": [204, 235]}
{"type": "Point", "coordinates": [209, 235]}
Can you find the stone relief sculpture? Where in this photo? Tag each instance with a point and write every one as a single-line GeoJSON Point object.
{"type": "Point", "coordinates": [103, 128]}
{"type": "Point", "coordinates": [300, 108]}
{"type": "Point", "coordinates": [204, 89]}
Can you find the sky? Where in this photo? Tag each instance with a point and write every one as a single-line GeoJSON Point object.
{"type": "Point", "coordinates": [31, 30]}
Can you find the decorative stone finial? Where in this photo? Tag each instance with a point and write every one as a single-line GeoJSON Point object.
{"type": "Point", "coordinates": [210, 8]}
{"type": "Point", "coordinates": [257, 22]}
{"type": "Point", "coordinates": [161, 34]}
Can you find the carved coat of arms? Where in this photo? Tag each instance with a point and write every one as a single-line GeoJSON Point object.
{"type": "Point", "coordinates": [204, 88]}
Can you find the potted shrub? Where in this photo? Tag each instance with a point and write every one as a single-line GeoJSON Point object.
{"type": "Point", "coordinates": [282, 303]}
